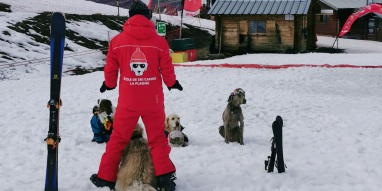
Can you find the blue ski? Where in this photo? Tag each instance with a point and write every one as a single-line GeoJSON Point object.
{"type": "Point", "coordinates": [57, 42]}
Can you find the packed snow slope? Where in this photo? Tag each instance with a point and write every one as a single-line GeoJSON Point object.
{"type": "Point", "coordinates": [332, 130]}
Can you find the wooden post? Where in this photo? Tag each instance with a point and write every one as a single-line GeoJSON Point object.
{"type": "Point", "coordinates": [221, 34]}
{"type": "Point", "coordinates": [181, 23]}
{"type": "Point", "coordinates": [297, 34]}
{"type": "Point", "coordinates": [313, 10]}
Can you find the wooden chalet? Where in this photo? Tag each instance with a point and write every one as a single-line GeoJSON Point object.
{"type": "Point", "coordinates": [264, 25]}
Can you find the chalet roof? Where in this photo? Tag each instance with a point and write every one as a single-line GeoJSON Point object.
{"type": "Point", "coordinates": [259, 7]}
{"type": "Point", "coordinates": [347, 4]}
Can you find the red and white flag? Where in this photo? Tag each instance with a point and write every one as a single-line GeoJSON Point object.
{"type": "Point", "coordinates": [191, 8]}
{"type": "Point", "coordinates": [147, 2]}
{"type": "Point", "coordinates": [373, 8]}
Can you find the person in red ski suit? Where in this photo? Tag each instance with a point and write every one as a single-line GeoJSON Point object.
{"type": "Point", "coordinates": [142, 58]}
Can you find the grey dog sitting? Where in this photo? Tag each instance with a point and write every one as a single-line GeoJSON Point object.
{"type": "Point", "coordinates": [231, 131]}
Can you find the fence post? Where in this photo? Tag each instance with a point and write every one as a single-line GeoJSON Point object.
{"type": "Point", "coordinates": [118, 6]}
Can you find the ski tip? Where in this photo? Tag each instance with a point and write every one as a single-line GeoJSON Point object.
{"type": "Point", "coordinates": [58, 14]}
{"type": "Point", "coordinates": [279, 120]}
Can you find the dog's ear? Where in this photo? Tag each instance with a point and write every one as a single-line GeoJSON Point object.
{"type": "Point", "coordinates": [230, 98]}
{"type": "Point", "coordinates": [166, 124]}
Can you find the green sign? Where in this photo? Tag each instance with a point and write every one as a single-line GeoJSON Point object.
{"type": "Point", "coordinates": [161, 28]}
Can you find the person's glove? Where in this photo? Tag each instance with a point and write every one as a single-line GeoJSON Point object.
{"type": "Point", "coordinates": [176, 86]}
{"type": "Point", "coordinates": [104, 88]}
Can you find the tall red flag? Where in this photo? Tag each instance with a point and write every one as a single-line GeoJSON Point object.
{"type": "Point", "coordinates": [191, 7]}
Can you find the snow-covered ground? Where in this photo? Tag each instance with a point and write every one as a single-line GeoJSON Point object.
{"type": "Point", "coordinates": [332, 130]}
{"type": "Point", "coordinates": [357, 52]}
{"type": "Point", "coordinates": [351, 46]}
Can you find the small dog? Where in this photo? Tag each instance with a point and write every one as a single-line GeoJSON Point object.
{"type": "Point", "coordinates": [105, 108]}
{"type": "Point", "coordinates": [101, 122]}
{"type": "Point", "coordinates": [136, 171]}
{"type": "Point", "coordinates": [231, 131]}
{"type": "Point", "coordinates": [172, 123]}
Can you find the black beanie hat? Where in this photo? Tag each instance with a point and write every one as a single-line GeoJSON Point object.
{"type": "Point", "coordinates": [139, 8]}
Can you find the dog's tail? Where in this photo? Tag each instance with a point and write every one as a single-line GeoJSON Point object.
{"type": "Point", "coordinates": [138, 166]}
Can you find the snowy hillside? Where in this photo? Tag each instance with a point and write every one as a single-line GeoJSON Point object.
{"type": "Point", "coordinates": [25, 37]}
{"type": "Point", "coordinates": [23, 42]}
{"type": "Point", "coordinates": [67, 6]}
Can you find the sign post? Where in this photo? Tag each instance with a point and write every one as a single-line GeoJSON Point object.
{"type": "Point", "coordinates": [118, 6]}
{"type": "Point", "coordinates": [161, 28]}
{"type": "Point", "coordinates": [159, 11]}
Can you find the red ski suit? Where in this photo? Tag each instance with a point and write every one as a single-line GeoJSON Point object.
{"type": "Point", "coordinates": [141, 56]}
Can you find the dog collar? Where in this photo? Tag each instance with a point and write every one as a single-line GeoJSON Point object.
{"type": "Point", "coordinates": [235, 108]}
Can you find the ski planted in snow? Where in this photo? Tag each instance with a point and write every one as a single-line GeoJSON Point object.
{"type": "Point", "coordinates": [277, 148]}
{"type": "Point", "coordinates": [57, 42]}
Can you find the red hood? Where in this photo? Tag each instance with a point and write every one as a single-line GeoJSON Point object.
{"type": "Point", "coordinates": [139, 27]}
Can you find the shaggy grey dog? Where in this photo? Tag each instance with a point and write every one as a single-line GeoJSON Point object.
{"type": "Point", "coordinates": [136, 171]}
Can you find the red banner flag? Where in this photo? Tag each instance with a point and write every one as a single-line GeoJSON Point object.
{"type": "Point", "coordinates": [191, 7]}
{"type": "Point", "coordinates": [147, 2]}
{"type": "Point", "coordinates": [374, 8]}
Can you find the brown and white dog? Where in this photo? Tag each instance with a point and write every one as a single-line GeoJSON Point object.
{"type": "Point", "coordinates": [172, 123]}
{"type": "Point", "coordinates": [136, 171]}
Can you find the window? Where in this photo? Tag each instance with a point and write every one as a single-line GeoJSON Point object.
{"type": "Point", "coordinates": [257, 27]}
{"type": "Point", "coordinates": [289, 17]}
{"type": "Point", "coordinates": [325, 18]}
